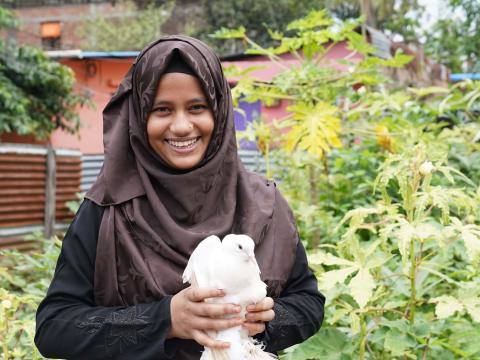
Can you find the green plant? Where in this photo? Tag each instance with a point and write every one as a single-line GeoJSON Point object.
{"type": "Point", "coordinates": [133, 30]}
{"type": "Point", "coordinates": [24, 280]}
{"type": "Point", "coordinates": [406, 269]}
{"type": "Point", "coordinates": [373, 176]}
{"type": "Point", "coordinates": [36, 93]}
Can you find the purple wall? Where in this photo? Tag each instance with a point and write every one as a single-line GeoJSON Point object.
{"type": "Point", "coordinates": [252, 112]}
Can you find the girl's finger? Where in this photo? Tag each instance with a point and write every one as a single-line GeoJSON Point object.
{"type": "Point", "coordinates": [254, 328]}
{"type": "Point", "coordinates": [265, 304]}
{"type": "Point", "coordinates": [216, 324]}
{"type": "Point", "coordinates": [215, 310]}
{"type": "Point", "coordinates": [203, 339]}
{"type": "Point", "coordinates": [200, 294]}
{"type": "Point", "coordinates": [264, 316]}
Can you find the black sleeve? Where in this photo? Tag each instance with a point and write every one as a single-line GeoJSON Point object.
{"type": "Point", "coordinates": [298, 310]}
{"type": "Point", "coordinates": [70, 325]}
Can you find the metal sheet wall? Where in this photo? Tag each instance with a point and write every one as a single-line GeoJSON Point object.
{"type": "Point", "coordinates": [91, 165]}
{"type": "Point", "coordinates": [22, 190]}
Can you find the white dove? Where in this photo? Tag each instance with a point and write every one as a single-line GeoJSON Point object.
{"type": "Point", "coordinates": [229, 265]}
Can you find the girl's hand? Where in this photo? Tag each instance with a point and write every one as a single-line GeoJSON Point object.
{"type": "Point", "coordinates": [191, 317]}
{"type": "Point", "coordinates": [257, 315]}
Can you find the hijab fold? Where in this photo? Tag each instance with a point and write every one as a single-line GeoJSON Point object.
{"type": "Point", "coordinates": [155, 215]}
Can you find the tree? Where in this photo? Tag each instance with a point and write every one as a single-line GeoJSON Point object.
{"type": "Point", "coordinates": [395, 17]}
{"type": "Point", "coordinates": [139, 25]}
{"type": "Point", "coordinates": [455, 41]}
{"type": "Point", "coordinates": [256, 15]}
{"type": "Point", "coordinates": [36, 93]}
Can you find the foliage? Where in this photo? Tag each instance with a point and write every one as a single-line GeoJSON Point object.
{"type": "Point", "coordinates": [316, 92]}
{"type": "Point", "coordinates": [24, 280]}
{"type": "Point", "coordinates": [36, 93]}
{"type": "Point", "coordinates": [259, 16]}
{"type": "Point", "coordinates": [74, 205]}
{"type": "Point", "coordinates": [395, 17]}
{"type": "Point", "coordinates": [455, 40]}
{"type": "Point", "coordinates": [388, 207]}
{"type": "Point", "coordinates": [132, 31]}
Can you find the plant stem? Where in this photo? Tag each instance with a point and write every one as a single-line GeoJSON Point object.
{"type": "Point", "coordinates": [413, 290]}
{"type": "Point", "coordinates": [5, 344]}
{"type": "Point", "coordinates": [363, 337]}
{"type": "Point", "coordinates": [267, 161]}
{"type": "Point", "coordinates": [312, 175]}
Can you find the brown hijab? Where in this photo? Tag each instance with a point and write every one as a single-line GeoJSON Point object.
{"type": "Point", "coordinates": [154, 215]}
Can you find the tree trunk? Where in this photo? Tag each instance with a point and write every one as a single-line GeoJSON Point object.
{"type": "Point", "coordinates": [50, 185]}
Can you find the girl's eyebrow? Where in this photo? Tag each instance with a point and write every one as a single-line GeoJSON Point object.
{"type": "Point", "coordinates": [166, 102]}
{"type": "Point", "coordinates": [201, 99]}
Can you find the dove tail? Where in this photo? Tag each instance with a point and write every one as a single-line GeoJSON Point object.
{"type": "Point", "coordinates": [256, 351]}
{"type": "Point", "coordinates": [215, 354]}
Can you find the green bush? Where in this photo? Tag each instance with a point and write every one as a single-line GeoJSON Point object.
{"type": "Point", "coordinates": [36, 93]}
{"type": "Point", "coordinates": [24, 280]}
{"type": "Point", "coordinates": [386, 195]}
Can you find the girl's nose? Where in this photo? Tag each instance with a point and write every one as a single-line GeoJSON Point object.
{"type": "Point", "coordinates": [181, 126]}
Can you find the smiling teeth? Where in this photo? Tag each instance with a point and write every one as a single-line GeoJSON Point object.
{"type": "Point", "coordinates": [182, 144]}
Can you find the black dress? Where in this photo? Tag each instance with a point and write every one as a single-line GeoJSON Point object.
{"type": "Point", "coordinates": [71, 326]}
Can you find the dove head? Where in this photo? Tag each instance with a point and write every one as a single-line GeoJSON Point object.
{"type": "Point", "coordinates": [242, 246]}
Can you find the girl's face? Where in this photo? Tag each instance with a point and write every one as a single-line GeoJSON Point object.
{"type": "Point", "coordinates": [180, 123]}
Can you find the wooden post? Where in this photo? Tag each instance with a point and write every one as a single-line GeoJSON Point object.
{"type": "Point", "coordinates": [50, 200]}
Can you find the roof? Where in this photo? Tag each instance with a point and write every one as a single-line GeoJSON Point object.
{"type": "Point", "coordinates": [79, 54]}
{"type": "Point", "coordinates": [380, 42]}
{"type": "Point", "coordinates": [464, 76]}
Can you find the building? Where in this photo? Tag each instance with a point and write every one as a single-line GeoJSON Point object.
{"type": "Point", "coordinates": [55, 24]}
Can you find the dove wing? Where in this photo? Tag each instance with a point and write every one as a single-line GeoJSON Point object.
{"type": "Point", "coordinates": [200, 270]}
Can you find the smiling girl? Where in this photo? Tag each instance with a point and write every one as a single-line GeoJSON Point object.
{"type": "Point", "coordinates": [171, 177]}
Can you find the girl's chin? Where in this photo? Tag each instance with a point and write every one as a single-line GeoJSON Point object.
{"type": "Point", "coordinates": [183, 160]}
{"type": "Point", "coordinates": [184, 164]}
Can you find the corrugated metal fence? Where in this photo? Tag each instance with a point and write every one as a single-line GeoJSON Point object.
{"type": "Point", "coordinates": [23, 181]}
{"type": "Point", "coordinates": [23, 171]}
{"type": "Point", "coordinates": [91, 165]}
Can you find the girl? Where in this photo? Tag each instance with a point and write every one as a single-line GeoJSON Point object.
{"type": "Point", "coordinates": [171, 177]}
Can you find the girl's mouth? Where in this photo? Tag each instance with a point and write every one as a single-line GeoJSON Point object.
{"type": "Point", "coordinates": [184, 145]}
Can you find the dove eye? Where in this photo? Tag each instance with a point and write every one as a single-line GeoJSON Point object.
{"type": "Point", "coordinates": [240, 247]}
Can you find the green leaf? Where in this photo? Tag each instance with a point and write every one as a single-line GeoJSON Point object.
{"type": "Point", "coordinates": [361, 287]}
{"type": "Point", "coordinates": [329, 279]}
{"type": "Point", "coordinates": [224, 33]}
{"type": "Point", "coordinates": [446, 306]}
{"type": "Point", "coordinates": [398, 342]}
{"type": "Point", "coordinates": [328, 344]}
{"type": "Point", "coordinates": [313, 20]}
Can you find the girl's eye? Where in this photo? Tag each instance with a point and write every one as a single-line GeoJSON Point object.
{"type": "Point", "coordinates": [161, 109]}
{"type": "Point", "coordinates": [198, 107]}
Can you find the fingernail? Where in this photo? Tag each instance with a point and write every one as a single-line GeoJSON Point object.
{"type": "Point", "coordinates": [250, 307]}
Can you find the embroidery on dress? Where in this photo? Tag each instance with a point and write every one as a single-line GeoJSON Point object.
{"type": "Point", "coordinates": [92, 325]}
{"type": "Point", "coordinates": [125, 328]}
{"type": "Point", "coordinates": [282, 324]}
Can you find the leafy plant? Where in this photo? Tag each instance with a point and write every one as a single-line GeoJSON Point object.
{"type": "Point", "coordinates": [373, 174]}
{"type": "Point", "coordinates": [36, 93]}
{"type": "Point", "coordinates": [24, 280]}
{"type": "Point", "coordinates": [132, 31]}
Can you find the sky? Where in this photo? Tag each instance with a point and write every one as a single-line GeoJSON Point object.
{"type": "Point", "coordinates": [433, 11]}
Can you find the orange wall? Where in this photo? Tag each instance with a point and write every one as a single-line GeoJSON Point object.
{"type": "Point", "coordinates": [99, 78]}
